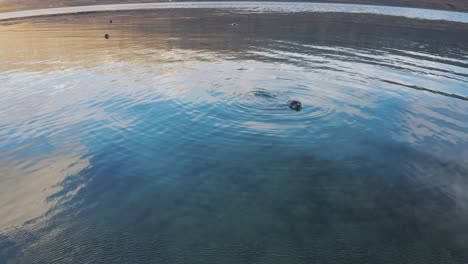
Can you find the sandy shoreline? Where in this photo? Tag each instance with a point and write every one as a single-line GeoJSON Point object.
{"type": "Point", "coordinates": [20, 5]}
{"type": "Point", "coordinates": [288, 7]}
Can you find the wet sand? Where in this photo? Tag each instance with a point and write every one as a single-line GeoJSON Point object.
{"type": "Point", "coordinates": [252, 7]}
{"type": "Point", "coordinates": [16, 5]}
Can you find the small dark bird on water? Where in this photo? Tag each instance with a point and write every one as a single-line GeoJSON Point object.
{"type": "Point", "coordinates": [295, 105]}
{"type": "Point", "coordinates": [107, 36]}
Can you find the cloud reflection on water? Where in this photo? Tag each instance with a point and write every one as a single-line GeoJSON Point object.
{"type": "Point", "coordinates": [139, 118]}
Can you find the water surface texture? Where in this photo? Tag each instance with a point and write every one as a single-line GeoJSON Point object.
{"type": "Point", "coordinates": [171, 142]}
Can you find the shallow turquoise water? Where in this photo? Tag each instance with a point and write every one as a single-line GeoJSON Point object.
{"type": "Point", "coordinates": [171, 142]}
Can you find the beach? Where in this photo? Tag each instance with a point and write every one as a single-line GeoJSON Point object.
{"type": "Point", "coordinates": [251, 7]}
{"type": "Point", "coordinates": [17, 5]}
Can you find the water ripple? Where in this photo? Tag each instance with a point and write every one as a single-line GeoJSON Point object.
{"type": "Point", "coordinates": [172, 141]}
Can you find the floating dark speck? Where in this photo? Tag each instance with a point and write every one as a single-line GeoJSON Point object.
{"type": "Point", "coordinates": [234, 24]}
{"type": "Point", "coordinates": [452, 7]}
{"type": "Point", "coordinates": [107, 36]}
{"type": "Point", "coordinates": [110, 21]}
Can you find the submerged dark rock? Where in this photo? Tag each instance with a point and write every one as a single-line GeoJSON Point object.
{"type": "Point", "coordinates": [295, 105]}
{"type": "Point", "coordinates": [107, 36]}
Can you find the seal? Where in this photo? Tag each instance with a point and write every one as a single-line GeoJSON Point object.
{"type": "Point", "coordinates": [107, 36]}
{"type": "Point", "coordinates": [295, 105]}
{"type": "Point", "coordinates": [264, 94]}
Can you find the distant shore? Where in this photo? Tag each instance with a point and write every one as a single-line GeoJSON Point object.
{"type": "Point", "coordinates": [254, 7]}
{"type": "Point", "coordinates": [19, 5]}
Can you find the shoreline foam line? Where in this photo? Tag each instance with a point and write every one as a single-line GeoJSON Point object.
{"type": "Point", "coordinates": [252, 7]}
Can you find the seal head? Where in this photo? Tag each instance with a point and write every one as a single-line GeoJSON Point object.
{"type": "Point", "coordinates": [295, 105]}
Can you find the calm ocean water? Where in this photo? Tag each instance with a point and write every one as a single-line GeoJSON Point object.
{"type": "Point", "coordinates": [171, 142]}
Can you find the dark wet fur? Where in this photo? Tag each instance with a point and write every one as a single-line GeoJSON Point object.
{"type": "Point", "coordinates": [264, 94]}
{"type": "Point", "coordinates": [295, 105]}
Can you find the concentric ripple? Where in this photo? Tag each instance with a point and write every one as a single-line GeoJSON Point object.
{"type": "Point", "coordinates": [264, 111]}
